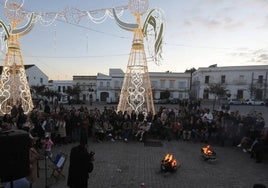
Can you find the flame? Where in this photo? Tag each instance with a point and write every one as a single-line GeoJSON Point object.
{"type": "Point", "coordinates": [170, 159]}
{"type": "Point", "coordinates": [207, 150]}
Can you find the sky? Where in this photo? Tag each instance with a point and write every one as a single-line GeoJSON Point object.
{"type": "Point", "coordinates": [197, 33]}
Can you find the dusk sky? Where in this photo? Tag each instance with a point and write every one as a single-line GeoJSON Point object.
{"type": "Point", "coordinates": [198, 33]}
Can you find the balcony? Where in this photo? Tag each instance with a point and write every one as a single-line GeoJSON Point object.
{"type": "Point", "coordinates": [240, 82]}
{"type": "Point", "coordinates": [104, 88]}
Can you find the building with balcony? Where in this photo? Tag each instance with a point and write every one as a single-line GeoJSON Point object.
{"type": "Point", "coordinates": [241, 82]}
{"type": "Point", "coordinates": [61, 86]}
{"type": "Point", "coordinates": [87, 86]}
{"type": "Point", "coordinates": [177, 84]}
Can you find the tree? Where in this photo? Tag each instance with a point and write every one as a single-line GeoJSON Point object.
{"type": "Point", "coordinates": [74, 91]}
{"type": "Point", "coordinates": [51, 94]}
{"type": "Point", "coordinates": [255, 92]}
{"type": "Point", "coordinates": [191, 71]}
{"type": "Point", "coordinates": [218, 90]}
{"type": "Point", "coordinates": [38, 90]}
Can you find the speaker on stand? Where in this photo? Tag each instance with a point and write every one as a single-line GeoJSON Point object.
{"type": "Point", "coordinates": [14, 155]}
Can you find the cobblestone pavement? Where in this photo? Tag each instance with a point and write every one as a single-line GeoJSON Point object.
{"type": "Point", "coordinates": [127, 165]}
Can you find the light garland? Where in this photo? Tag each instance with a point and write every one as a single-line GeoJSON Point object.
{"type": "Point", "coordinates": [69, 15]}
{"type": "Point", "coordinates": [74, 15]}
{"type": "Point", "coordinates": [20, 5]}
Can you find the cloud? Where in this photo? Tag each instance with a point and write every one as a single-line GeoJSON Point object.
{"type": "Point", "coordinates": [213, 22]}
{"type": "Point", "coordinates": [262, 58]}
{"type": "Point", "coordinates": [262, 3]}
{"type": "Point", "coordinates": [252, 56]}
{"type": "Point", "coordinates": [212, 14]}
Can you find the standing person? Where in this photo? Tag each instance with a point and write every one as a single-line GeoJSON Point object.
{"type": "Point", "coordinates": [61, 124]}
{"type": "Point", "coordinates": [80, 165]}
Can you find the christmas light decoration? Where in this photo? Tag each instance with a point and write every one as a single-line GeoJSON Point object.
{"type": "Point", "coordinates": [136, 92]}
{"type": "Point", "coordinates": [69, 15]}
{"type": "Point", "coordinates": [14, 88]}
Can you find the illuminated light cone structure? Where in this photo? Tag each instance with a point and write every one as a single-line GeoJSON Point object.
{"type": "Point", "coordinates": [14, 87]}
{"type": "Point", "coordinates": [136, 92]}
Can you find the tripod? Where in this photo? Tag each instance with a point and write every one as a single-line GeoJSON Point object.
{"type": "Point", "coordinates": [46, 157]}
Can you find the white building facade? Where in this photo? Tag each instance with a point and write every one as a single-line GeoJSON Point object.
{"type": "Point", "coordinates": [61, 86]}
{"type": "Point", "coordinates": [177, 84]}
{"type": "Point", "coordinates": [87, 86]}
{"type": "Point", "coordinates": [241, 82]}
{"type": "Point", "coordinates": [109, 86]}
{"type": "Point", "coordinates": [34, 75]}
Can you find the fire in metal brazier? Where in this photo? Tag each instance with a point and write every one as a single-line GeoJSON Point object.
{"type": "Point", "coordinates": [169, 163]}
{"type": "Point", "coordinates": [208, 153]}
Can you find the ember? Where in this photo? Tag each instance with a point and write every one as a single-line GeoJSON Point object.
{"type": "Point", "coordinates": [169, 163]}
{"type": "Point", "coordinates": [208, 153]}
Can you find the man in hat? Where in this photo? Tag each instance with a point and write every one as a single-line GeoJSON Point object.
{"type": "Point", "coordinates": [81, 164]}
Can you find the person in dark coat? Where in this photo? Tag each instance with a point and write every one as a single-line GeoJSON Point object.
{"type": "Point", "coordinates": [81, 164]}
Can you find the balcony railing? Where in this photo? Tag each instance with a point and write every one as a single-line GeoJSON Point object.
{"type": "Point", "coordinates": [102, 88]}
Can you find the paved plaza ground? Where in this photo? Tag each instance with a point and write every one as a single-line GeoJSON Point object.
{"type": "Point", "coordinates": [127, 165]}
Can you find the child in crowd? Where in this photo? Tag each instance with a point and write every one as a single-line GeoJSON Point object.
{"type": "Point", "coordinates": [48, 143]}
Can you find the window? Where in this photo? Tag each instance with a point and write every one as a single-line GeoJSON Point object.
{"type": "Point", "coordinates": [101, 84]}
{"type": "Point", "coordinates": [116, 84]}
{"type": "Point", "coordinates": [154, 84]}
{"type": "Point", "coordinates": [182, 84]}
{"type": "Point", "coordinates": [241, 79]}
{"type": "Point", "coordinates": [206, 79]}
{"type": "Point", "coordinates": [223, 79]}
{"type": "Point", "coordinates": [59, 88]}
{"type": "Point", "coordinates": [63, 88]}
{"type": "Point", "coordinates": [260, 79]}
{"type": "Point", "coordinates": [171, 83]}
{"type": "Point", "coordinates": [240, 94]}
{"type": "Point", "coordinates": [205, 93]}
{"type": "Point", "coordinates": [108, 84]}
{"type": "Point", "coordinates": [162, 83]}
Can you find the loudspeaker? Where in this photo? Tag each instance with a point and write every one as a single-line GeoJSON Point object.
{"type": "Point", "coordinates": [14, 155]}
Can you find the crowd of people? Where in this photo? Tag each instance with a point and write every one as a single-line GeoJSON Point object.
{"type": "Point", "coordinates": [67, 124]}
